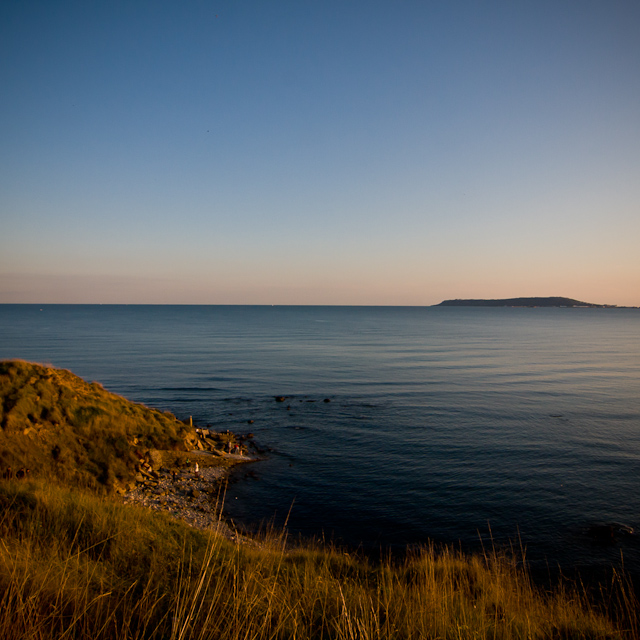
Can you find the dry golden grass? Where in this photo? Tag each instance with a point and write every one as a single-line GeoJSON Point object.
{"type": "Point", "coordinates": [74, 565]}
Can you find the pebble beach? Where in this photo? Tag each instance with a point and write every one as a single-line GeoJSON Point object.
{"type": "Point", "coordinates": [195, 496]}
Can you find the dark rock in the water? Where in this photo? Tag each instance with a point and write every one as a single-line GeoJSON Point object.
{"type": "Point", "coordinates": [601, 533]}
{"type": "Point", "coordinates": [609, 532]}
{"type": "Point", "coordinates": [327, 400]}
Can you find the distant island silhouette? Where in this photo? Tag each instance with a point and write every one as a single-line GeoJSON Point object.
{"type": "Point", "coordinates": [525, 302]}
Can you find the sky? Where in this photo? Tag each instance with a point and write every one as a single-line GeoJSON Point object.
{"type": "Point", "coordinates": [319, 152]}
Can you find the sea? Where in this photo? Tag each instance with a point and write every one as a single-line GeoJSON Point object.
{"type": "Point", "coordinates": [478, 428]}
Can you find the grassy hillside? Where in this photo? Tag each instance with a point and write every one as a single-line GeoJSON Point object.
{"type": "Point", "coordinates": [60, 426]}
{"type": "Point", "coordinates": [75, 562]}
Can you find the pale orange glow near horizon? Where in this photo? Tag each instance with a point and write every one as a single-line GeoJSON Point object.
{"type": "Point", "coordinates": [389, 291]}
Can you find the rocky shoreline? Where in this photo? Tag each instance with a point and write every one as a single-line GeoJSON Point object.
{"type": "Point", "coordinates": [191, 485]}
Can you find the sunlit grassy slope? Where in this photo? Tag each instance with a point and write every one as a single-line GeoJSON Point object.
{"type": "Point", "coordinates": [60, 426]}
{"type": "Point", "coordinates": [76, 563]}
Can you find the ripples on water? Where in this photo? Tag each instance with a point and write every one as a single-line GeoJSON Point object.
{"type": "Point", "coordinates": [442, 422]}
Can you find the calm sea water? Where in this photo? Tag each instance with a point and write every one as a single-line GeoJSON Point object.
{"type": "Point", "coordinates": [443, 423]}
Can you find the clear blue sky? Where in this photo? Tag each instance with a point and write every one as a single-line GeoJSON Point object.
{"type": "Point", "coordinates": [319, 152]}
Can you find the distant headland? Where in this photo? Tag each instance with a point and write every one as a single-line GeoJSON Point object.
{"type": "Point", "coordinates": [525, 302]}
